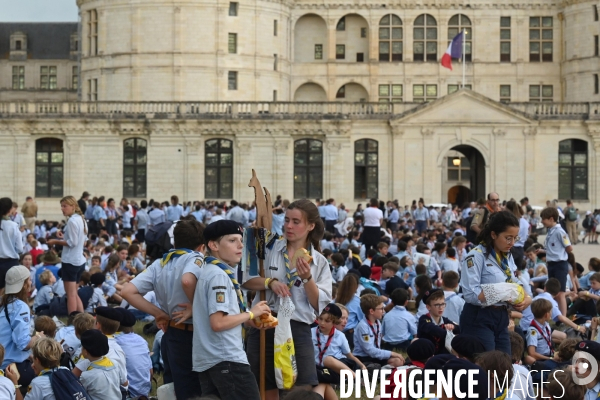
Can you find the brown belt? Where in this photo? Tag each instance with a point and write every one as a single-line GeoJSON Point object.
{"type": "Point", "coordinates": [183, 327]}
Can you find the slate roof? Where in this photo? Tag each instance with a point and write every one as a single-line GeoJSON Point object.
{"type": "Point", "coordinates": [45, 40]}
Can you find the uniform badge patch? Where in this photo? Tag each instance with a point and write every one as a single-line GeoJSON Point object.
{"type": "Point", "coordinates": [470, 262]}
{"type": "Point", "coordinates": [198, 262]}
{"type": "Point", "coordinates": [533, 333]}
{"type": "Point", "coordinates": [366, 338]}
{"type": "Point", "coordinates": [26, 319]}
{"type": "Point", "coordinates": [220, 297]}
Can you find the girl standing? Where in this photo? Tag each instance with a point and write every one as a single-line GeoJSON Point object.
{"type": "Point", "coordinates": [73, 261]}
{"type": "Point", "coordinates": [11, 244]}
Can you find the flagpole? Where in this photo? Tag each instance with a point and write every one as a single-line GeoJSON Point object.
{"type": "Point", "coordinates": [463, 56]}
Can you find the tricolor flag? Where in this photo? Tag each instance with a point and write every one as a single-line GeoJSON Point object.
{"type": "Point", "coordinates": [454, 51]}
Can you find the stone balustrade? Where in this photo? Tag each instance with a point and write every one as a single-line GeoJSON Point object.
{"type": "Point", "coordinates": [265, 110]}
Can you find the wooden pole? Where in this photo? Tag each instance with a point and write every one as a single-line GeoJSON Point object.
{"type": "Point", "coordinates": [264, 219]}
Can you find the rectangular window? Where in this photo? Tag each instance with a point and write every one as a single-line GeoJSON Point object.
{"type": "Point", "coordinates": [360, 57]}
{"type": "Point", "coordinates": [92, 89]}
{"type": "Point", "coordinates": [595, 12]}
{"type": "Point", "coordinates": [596, 48]}
{"type": "Point", "coordinates": [455, 88]}
{"type": "Point", "coordinates": [275, 61]}
{"type": "Point", "coordinates": [424, 93]}
{"type": "Point", "coordinates": [390, 93]}
{"type": "Point", "coordinates": [48, 78]}
{"type": "Point", "coordinates": [92, 32]}
{"type": "Point", "coordinates": [318, 51]}
{"type": "Point", "coordinates": [232, 43]}
{"type": "Point", "coordinates": [541, 93]}
{"type": "Point", "coordinates": [18, 45]}
{"type": "Point", "coordinates": [505, 93]}
{"type": "Point", "coordinates": [275, 28]}
{"type": "Point", "coordinates": [232, 80]}
{"type": "Point", "coordinates": [363, 32]}
{"type": "Point", "coordinates": [540, 39]}
{"type": "Point", "coordinates": [18, 77]}
{"type": "Point", "coordinates": [75, 78]}
{"type": "Point", "coordinates": [340, 52]}
{"type": "Point", "coordinates": [233, 9]}
{"type": "Point", "coordinates": [504, 39]}
{"type": "Point", "coordinates": [274, 95]}
{"type": "Point", "coordinates": [595, 83]}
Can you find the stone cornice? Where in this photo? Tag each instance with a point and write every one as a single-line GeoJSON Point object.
{"type": "Point", "coordinates": [441, 5]}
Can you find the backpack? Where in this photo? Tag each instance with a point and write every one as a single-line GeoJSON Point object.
{"type": "Point", "coordinates": [85, 293]}
{"type": "Point", "coordinates": [158, 241]}
{"type": "Point", "coordinates": [471, 234]}
{"type": "Point", "coordinates": [571, 214]}
{"type": "Point", "coordinates": [66, 386]}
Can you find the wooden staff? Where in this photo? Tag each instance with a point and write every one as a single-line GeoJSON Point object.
{"type": "Point", "coordinates": [264, 219]}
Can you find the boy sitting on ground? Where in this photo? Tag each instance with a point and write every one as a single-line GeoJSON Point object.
{"type": "Point", "coordinates": [433, 325]}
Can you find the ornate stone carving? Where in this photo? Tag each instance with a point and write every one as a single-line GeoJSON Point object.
{"type": "Point", "coordinates": [530, 132]}
{"type": "Point", "coordinates": [334, 146]}
{"type": "Point", "coordinates": [427, 132]}
{"type": "Point", "coordinates": [498, 132]}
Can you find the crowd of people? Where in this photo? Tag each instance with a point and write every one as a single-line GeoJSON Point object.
{"type": "Point", "coordinates": [405, 288]}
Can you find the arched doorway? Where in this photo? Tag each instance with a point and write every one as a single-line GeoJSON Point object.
{"type": "Point", "coordinates": [464, 175]}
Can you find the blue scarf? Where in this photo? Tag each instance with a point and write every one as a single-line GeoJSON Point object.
{"type": "Point", "coordinates": [229, 272]}
{"type": "Point", "coordinates": [172, 255]}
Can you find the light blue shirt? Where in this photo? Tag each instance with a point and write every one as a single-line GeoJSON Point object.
{"type": "Point", "coordinates": [538, 339]}
{"type": "Point", "coordinates": [477, 269]}
{"type": "Point", "coordinates": [215, 293]}
{"type": "Point", "coordinates": [394, 216]}
{"type": "Point", "coordinates": [74, 235]}
{"type": "Point", "coordinates": [142, 219]}
{"type": "Point", "coordinates": [137, 362]}
{"type": "Point", "coordinates": [44, 296]}
{"type": "Point", "coordinates": [338, 347]}
{"type": "Point", "coordinates": [528, 315]}
{"type": "Point", "coordinates": [421, 214]}
{"type": "Point", "coordinates": [355, 314]}
{"type": "Point", "coordinates": [99, 213]}
{"type": "Point", "coordinates": [199, 215]}
{"type": "Point", "coordinates": [277, 225]}
{"type": "Point", "coordinates": [556, 242]}
{"type": "Point", "coordinates": [454, 305]}
{"type": "Point", "coordinates": [584, 281]}
{"type": "Point", "coordinates": [592, 394]}
{"type": "Point", "coordinates": [321, 211]}
{"type": "Point", "coordinates": [365, 339]}
{"type": "Point", "coordinates": [327, 244]}
{"type": "Point", "coordinates": [523, 232]}
{"type": "Point", "coordinates": [15, 336]}
{"type": "Point", "coordinates": [399, 325]}
{"type": "Point", "coordinates": [330, 212]}
{"type": "Point", "coordinates": [174, 213]}
{"type": "Point", "coordinates": [156, 216]}
{"type": "Point", "coordinates": [11, 243]}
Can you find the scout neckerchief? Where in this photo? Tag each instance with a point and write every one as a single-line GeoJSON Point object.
{"type": "Point", "coordinates": [544, 332]}
{"type": "Point", "coordinates": [229, 272]}
{"type": "Point", "coordinates": [102, 363]}
{"type": "Point", "coordinates": [172, 255]}
{"type": "Point", "coordinates": [501, 395]}
{"type": "Point", "coordinates": [289, 274]}
{"type": "Point", "coordinates": [376, 334]}
{"type": "Point", "coordinates": [502, 260]}
{"type": "Point", "coordinates": [322, 352]}
{"type": "Point", "coordinates": [357, 257]}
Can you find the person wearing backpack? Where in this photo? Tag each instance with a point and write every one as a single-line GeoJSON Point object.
{"type": "Point", "coordinates": [102, 377]}
{"type": "Point", "coordinates": [571, 222]}
{"type": "Point", "coordinates": [52, 381]}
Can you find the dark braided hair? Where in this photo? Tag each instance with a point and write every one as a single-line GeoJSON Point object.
{"type": "Point", "coordinates": [6, 205]}
{"type": "Point", "coordinates": [497, 222]}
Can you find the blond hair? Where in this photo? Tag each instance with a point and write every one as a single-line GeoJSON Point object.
{"type": "Point", "coordinates": [47, 351]}
{"type": "Point", "coordinates": [83, 322]}
{"type": "Point", "coordinates": [45, 277]}
{"type": "Point", "coordinates": [71, 201]}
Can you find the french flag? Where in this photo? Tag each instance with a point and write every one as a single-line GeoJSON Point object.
{"type": "Point", "coordinates": [454, 51]}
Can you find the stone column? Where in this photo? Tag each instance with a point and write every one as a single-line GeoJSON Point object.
{"type": "Point", "coordinates": [499, 182]}
{"type": "Point", "coordinates": [283, 166]}
{"type": "Point", "coordinates": [529, 188]}
{"type": "Point", "coordinates": [193, 185]}
{"type": "Point", "coordinates": [397, 173]}
{"type": "Point", "coordinates": [73, 173]}
{"type": "Point", "coordinates": [593, 162]}
{"type": "Point", "coordinates": [429, 166]}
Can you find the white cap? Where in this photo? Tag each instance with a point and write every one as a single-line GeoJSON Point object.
{"type": "Point", "coordinates": [15, 277]}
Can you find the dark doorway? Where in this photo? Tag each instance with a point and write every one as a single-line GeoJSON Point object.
{"type": "Point", "coordinates": [477, 173]}
{"type": "Point", "coordinates": [459, 195]}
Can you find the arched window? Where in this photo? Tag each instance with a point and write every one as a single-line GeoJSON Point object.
{"type": "Point", "coordinates": [425, 38]}
{"type": "Point", "coordinates": [218, 171]}
{"type": "Point", "coordinates": [573, 169]}
{"type": "Point", "coordinates": [456, 24]}
{"type": "Point", "coordinates": [366, 163]}
{"type": "Point", "coordinates": [390, 38]}
{"type": "Point", "coordinates": [49, 168]}
{"type": "Point", "coordinates": [308, 168]}
{"type": "Point", "coordinates": [134, 167]}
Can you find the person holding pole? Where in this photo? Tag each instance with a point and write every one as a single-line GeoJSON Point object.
{"type": "Point", "coordinates": [308, 284]}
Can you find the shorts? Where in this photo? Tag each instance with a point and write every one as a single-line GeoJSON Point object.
{"type": "Point", "coordinates": [305, 355]}
{"type": "Point", "coordinates": [5, 265]}
{"type": "Point", "coordinates": [559, 270]}
{"type": "Point", "coordinates": [72, 273]}
{"type": "Point", "coordinates": [327, 375]}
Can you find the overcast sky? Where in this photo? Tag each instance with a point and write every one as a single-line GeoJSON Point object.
{"type": "Point", "coordinates": [38, 11]}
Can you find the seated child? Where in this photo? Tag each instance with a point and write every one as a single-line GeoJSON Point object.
{"type": "Point", "coordinates": [454, 302]}
{"type": "Point", "coordinates": [593, 387]}
{"type": "Point", "coordinates": [522, 384]}
{"type": "Point", "coordinates": [46, 357]}
{"type": "Point", "coordinates": [561, 360]}
{"type": "Point", "coordinates": [422, 284]}
{"type": "Point", "coordinates": [367, 335]}
{"type": "Point", "coordinates": [399, 325]}
{"type": "Point", "coordinates": [97, 299]}
{"type": "Point", "coordinates": [341, 325]}
{"type": "Point", "coordinates": [450, 263]}
{"type": "Point", "coordinates": [389, 280]}
{"type": "Point", "coordinates": [586, 303]}
{"type": "Point", "coordinates": [45, 294]}
{"type": "Point", "coordinates": [467, 346]}
{"type": "Point", "coordinates": [340, 270]}
{"type": "Point", "coordinates": [408, 269]}
{"type": "Point", "coordinates": [332, 351]}
{"type": "Point", "coordinates": [419, 352]}
{"type": "Point", "coordinates": [137, 356]}
{"type": "Point", "coordinates": [539, 334]}
{"type": "Point", "coordinates": [377, 266]}
{"type": "Point", "coordinates": [68, 339]}
{"type": "Point", "coordinates": [46, 325]}
{"type": "Point", "coordinates": [8, 383]}
{"type": "Point", "coordinates": [594, 267]}
{"type": "Point", "coordinates": [562, 386]}
{"type": "Point", "coordinates": [498, 367]}
{"type": "Point", "coordinates": [101, 379]}
{"type": "Point", "coordinates": [477, 382]}
{"type": "Point", "coordinates": [433, 325]}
